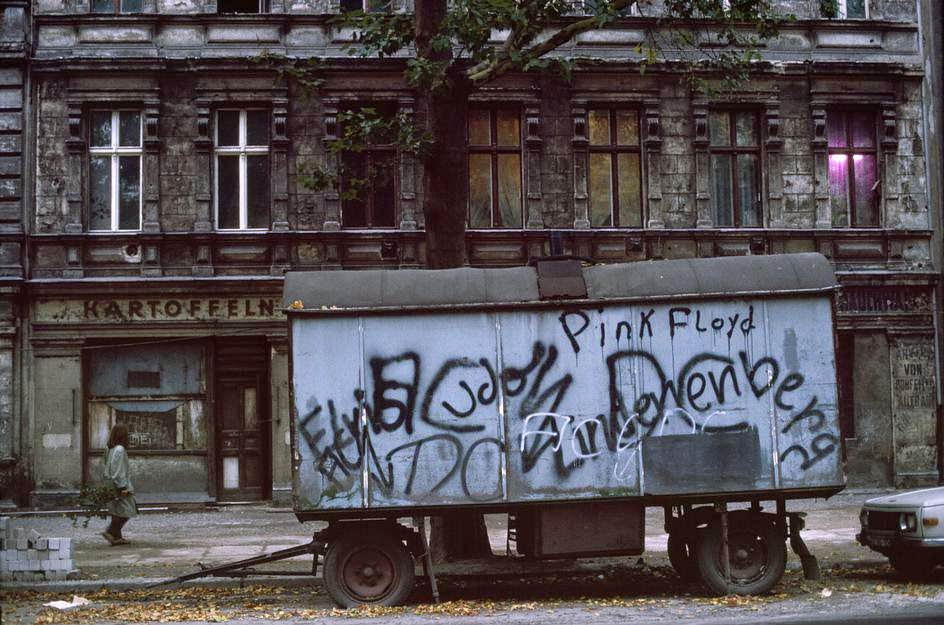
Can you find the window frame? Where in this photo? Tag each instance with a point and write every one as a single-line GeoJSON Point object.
{"type": "Point", "coordinates": [494, 150]}
{"type": "Point", "coordinates": [613, 149]}
{"type": "Point", "coordinates": [849, 151]}
{"type": "Point", "coordinates": [842, 11]}
{"type": "Point", "coordinates": [115, 151]}
{"type": "Point", "coordinates": [243, 151]}
{"type": "Point", "coordinates": [369, 151]}
{"type": "Point", "coordinates": [733, 150]}
{"type": "Point", "coordinates": [365, 6]}
{"type": "Point", "coordinates": [117, 8]}
{"type": "Point", "coordinates": [264, 8]}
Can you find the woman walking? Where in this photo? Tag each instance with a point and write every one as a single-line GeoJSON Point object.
{"type": "Point", "coordinates": [117, 474]}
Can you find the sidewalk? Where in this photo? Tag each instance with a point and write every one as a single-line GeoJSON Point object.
{"type": "Point", "coordinates": [171, 543]}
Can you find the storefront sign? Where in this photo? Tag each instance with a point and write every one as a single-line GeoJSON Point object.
{"type": "Point", "coordinates": [137, 310]}
{"type": "Point", "coordinates": [913, 375]}
{"type": "Point", "coordinates": [884, 300]}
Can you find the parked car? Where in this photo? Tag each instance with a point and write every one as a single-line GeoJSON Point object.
{"type": "Point", "coordinates": [908, 528]}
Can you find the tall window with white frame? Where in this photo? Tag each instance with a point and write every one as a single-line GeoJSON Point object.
{"type": "Point", "coordinates": [242, 169]}
{"type": "Point", "coordinates": [614, 171]}
{"type": "Point", "coordinates": [734, 141]}
{"type": "Point", "coordinates": [115, 170]}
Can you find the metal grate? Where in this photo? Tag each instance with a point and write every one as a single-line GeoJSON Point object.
{"type": "Point", "coordinates": [887, 521]}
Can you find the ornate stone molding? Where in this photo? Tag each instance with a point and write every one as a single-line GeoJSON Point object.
{"type": "Point", "coordinates": [652, 143]}
{"type": "Point", "coordinates": [534, 147]}
{"type": "Point", "coordinates": [580, 143]}
{"type": "Point", "coordinates": [332, 199]}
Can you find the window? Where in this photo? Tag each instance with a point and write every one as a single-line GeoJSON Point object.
{"type": "Point", "coordinates": [242, 169]}
{"type": "Point", "coordinates": [367, 6]}
{"type": "Point", "coordinates": [853, 9]}
{"type": "Point", "coordinates": [242, 6]}
{"type": "Point", "coordinates": [495, 168]}
{"type": "Point", "coordinates": [115, 170]}
{"type": "Point", "coordinates": [368, 178]}
{"type": "Point", "coordinates": [854, 190]}
{"type": "Point", "coordinates": [614, 172]}
{"type": "Point", "coordinates": [116, 6]}
{"type": "Point", "coordinates": [734, 140]}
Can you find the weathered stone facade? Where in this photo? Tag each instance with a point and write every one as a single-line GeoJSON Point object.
{"type": "Point", "coordinates": [179, 63]}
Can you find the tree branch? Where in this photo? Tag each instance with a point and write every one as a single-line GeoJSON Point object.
{"type": "Point", "coordinates": [503, 65]}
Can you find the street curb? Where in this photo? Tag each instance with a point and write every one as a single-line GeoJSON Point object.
{"type": "Point", "coordinates": [119, 584]}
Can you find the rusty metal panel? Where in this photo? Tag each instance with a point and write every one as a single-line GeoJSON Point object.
{"type": "Point", "coordinates": [434, 432]}
{"type": "Point", "coordinates": [326, 373]}
{"type": "Point", "coordinates": [594, 529]}
{"type": "Point", "coordinates": [563, 403]}
{"type": "Point", "coordinates": [806, 404]}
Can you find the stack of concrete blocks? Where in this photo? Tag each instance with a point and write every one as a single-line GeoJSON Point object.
{"type": "Point", "coordinates": [27, 556]}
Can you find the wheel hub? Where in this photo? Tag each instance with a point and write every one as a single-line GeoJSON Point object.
{"type": "Point", "coordinates": [748, 556]}
{"type": "Point", "coordinates": [368, 574]}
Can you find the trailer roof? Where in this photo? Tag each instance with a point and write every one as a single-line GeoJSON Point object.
{"type": "Point", "coordinates": [385, 289]}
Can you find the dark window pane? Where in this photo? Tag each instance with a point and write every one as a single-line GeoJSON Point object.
{"type": "Point", "coordinates": [100, 129]}
{"type": "Point", "coordinates": [383, 190]}
{"type": "Point", "coordinates": [600, 188]}
{"type": "Point", "coordinates": [103, 6]}
{"type": "Point", "coordinates": [480, 132]}
{"type": "Point", "coordinates": [838, 188]}
{"type": "Point", "coordinates": [866, 190]}
{"type": "Point", "coordinates": [377, 6]}
{"type": "Point", "coordinates": [227, 132]}
{"type": "Point", "coordinates": [627, 127]}
{"type": "Point", "coordinates": [130, 6]}
{"type": "Point", "coordinates": [257, 128]}
{"type": "Point", "coordinates": [351, 5]}
{"type": "Point", "coordinates": [257, 191]}
{"type": "Point", "coordinates": [238, 6]}
{"type": "Point", "coordinates": [747, 190]}
{"type": "Point", "coordinates": [630, 191]}
{"type": "Point", "coordinates": [855, 9]}
{"type": "Point", "coordinates": [480, 191]}
{"type": "Point", "coordinates": [353, 180]}
{"type": "Point", "coordinates": [598, 126]}
{"type": "Point", "coordinates": [508, 127]}
{"type": "Point", "coordinates": [836, 129]}
{"type": "Point", "coordinates": [129, 192]}
{"type": "Point", "coordinates": [863, 130]}
{"type": "Point", "coordinates": [227, 188]}
{"type": "Point", "coordinates": [509, 190]}
{"type": "Point", "coordinates": [719, 127]}
{"type": "Point", "coordinates": [746, 128]}
{"type": "Point", "coordinates": [232, 406]}
{"type": "Point", "coordinates": [722, 194]}
{"type": "Point", "coordinates": [100, 193]}
{"type": "Point", "coordinates": [129, 128]}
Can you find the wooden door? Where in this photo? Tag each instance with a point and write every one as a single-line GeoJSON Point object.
{"type": "Point", "coordinates": [242, 422]}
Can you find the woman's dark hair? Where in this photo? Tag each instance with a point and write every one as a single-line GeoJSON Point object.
{"type": "Point", "coordinates": [118, 435]}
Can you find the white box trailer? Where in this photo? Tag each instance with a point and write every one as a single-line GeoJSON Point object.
{"type": "Point", "coordinates": [570, 397]}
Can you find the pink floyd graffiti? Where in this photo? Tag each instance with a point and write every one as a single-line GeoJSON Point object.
{"type": "Point", "coordinates": [574, 402]}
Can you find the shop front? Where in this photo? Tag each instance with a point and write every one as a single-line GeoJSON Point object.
{"type": "Point", "coordinates": [199, 381]}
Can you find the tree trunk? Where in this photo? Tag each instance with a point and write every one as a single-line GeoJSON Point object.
{"type": "Point", "coordinates": [445, 198]}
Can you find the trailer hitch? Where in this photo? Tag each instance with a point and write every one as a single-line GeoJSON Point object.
{"type": "Point", "coordinates": [243, 568]}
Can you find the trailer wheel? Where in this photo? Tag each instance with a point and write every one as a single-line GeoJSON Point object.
{"type": "Point", "coordinates": [757, 554]}
{"type": "Point", "coordinates": [374, 568]}
{"type": "Point", "coordinates": [682, 555]}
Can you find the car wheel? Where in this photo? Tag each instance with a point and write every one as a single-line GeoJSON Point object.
{"type": "Point", "coordinates": [912, 564]}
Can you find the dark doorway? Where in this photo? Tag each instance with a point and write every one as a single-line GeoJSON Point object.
{"type": "Point", "coordinates": [242, 419]}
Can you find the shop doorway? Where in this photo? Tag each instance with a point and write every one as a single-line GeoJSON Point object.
{"type": "Point", "coordinates": [242, 419]}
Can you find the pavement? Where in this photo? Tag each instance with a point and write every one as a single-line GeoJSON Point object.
{"type": "Point", "coordinates": [166, 543]}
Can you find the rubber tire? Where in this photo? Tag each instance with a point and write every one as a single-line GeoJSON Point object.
{"type": "Point", "coordinates": [682, 555]}
{"type": "Point", "coordinates": [343, 546]}
{"type": "Point", "coordinates": [913, 565]}
{"type": "Point", "coordinates": [708, 554]}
